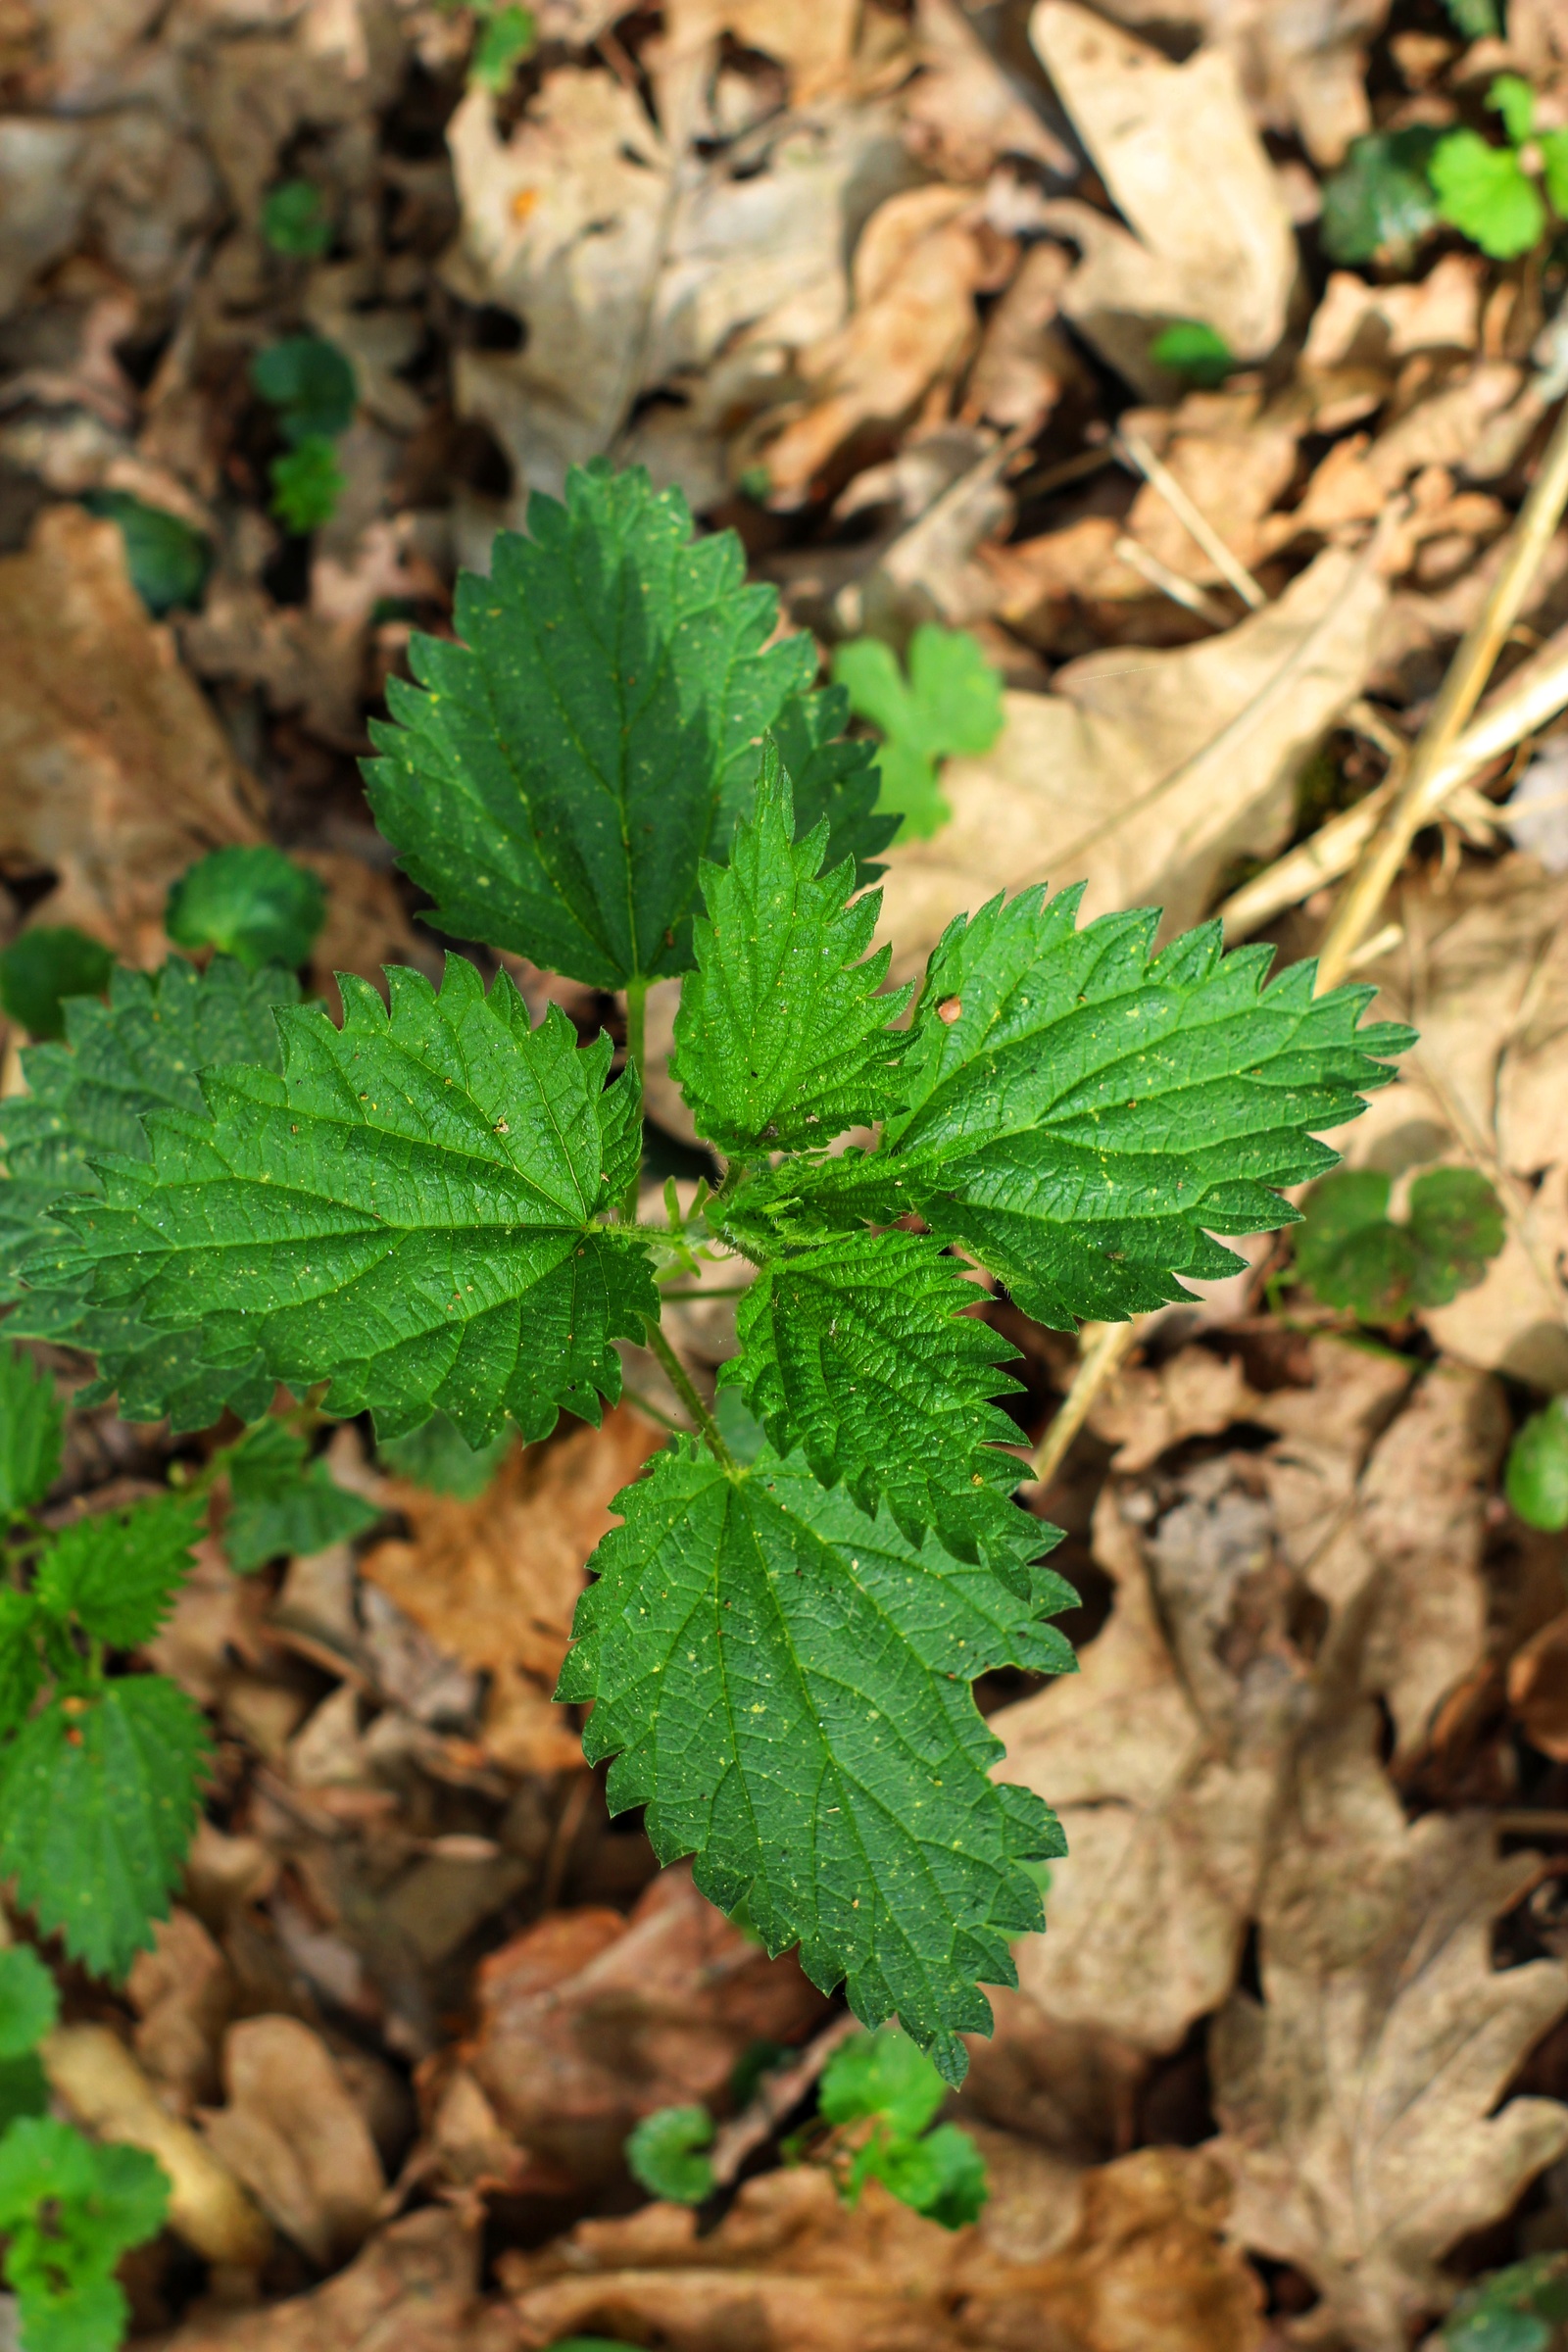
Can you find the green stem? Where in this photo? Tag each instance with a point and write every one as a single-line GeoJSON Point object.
{"type": "Point", "coordinates": [680, 1380]}
{"type": "Point", "coordinates": [636, 1031]}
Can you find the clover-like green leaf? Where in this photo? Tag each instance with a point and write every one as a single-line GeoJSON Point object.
{"type": "Point", "coordinates": [1084, 1116]}
{"type": "Point", "coordinates": [251, 904]}
{"type": "Point", "coordinates": [783, 1037]}
{"type": "Point", "coordinates": [950, 702]}
{"type": "Point", "coordinates": [1484, 191]}
{"type": "Point", "coordinates": [88, 1098]}
{"type": "Point", "coordinates": [310, 384]}
{"type": "Point", "coordinates": [784, 1684]}
{"type": "Point", "coordinates": [411, 1212]}
{"type": "Point", "coordinates": [666, 2154]}
{"type": "Point", "coordinates": [556, 776]}
{"type": "Point", "coordinates": [98, 1800]}
{"type": "Point", "coordinates": [31, 1430]}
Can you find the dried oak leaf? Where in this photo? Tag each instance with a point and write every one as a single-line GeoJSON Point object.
{"type": "Point", "coordinates": [1359, 2099]}
{"type": "Point", "coordinates": [1162, 1756]}
{"type": "Point", "coordinates": [1139, 2267]}
{"type": "Point", "coordinates": [297, 2138]}
{"type": "Point", "coordinates": [116, 776]}
{"type": "Point", "coordinates": [413, 2287]}
{"type": "Point", "coordinates": [589, 2021]}
{"type": "Point", "coordinates": [494, 1582]}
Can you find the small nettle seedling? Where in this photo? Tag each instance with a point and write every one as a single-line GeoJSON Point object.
{"type": "Point", "coordinates": [312, 391]}
{"type": "Point", "coordinates": [950, 700]}
{"type": "Point", "coordinates": [69, 2209]}
{"type": "Point", "coordinates": [621, 771]}
{"type": "Point", "coordinates": [1396, 186]}
{"type": "Point", "coordinates": [1353, 1255]}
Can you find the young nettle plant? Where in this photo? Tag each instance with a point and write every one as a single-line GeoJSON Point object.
{"type": "Point", "coordinates": [619, 772]}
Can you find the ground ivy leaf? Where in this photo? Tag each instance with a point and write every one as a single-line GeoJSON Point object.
{"type": "Point", "coordinates": [782, 1040]}
{"type": "Point", "coordinates": [784, 1684]}
{"type": "Point", "coordinates": [555, 776]}
{"type": "Point", "coordinates": [856, 1351]}
{"type": "Point", "coordinates": [1084, 1116]}
{"type": "Point", "coordinates": [97, 1804]}
{"type": "Point", "coordinates": [406, 1213]}
{"type": "Point", "coordinates": [31, 1430]}
{"type": "Point", "coordinates": [139, 1052]}
{"type": "Point", "coordinates": [117, 1572]}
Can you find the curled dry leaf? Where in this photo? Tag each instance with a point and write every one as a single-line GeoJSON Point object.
{"type": "Point", "coordinates": [589, 2021]}
{"type": "Point", "coordinates": [1302, 68]}
{"type": "Point", "coordinates": [117, 775]}
{"type": "Point", "coordinates": [962, 114]}
{"type": "Point", "coordinates": [1026, 364]}
{"type": "Point", "coordinates": [1537, 1689]}
{"type": "Point", "coordinates": [105, 2090]}
{"type": "Point", "coordinates": [292, 2132]}
{"type": "Point", "coordinates": [1142, 2268]}
{"type": "Point", "coordinates": [1176, 147]}
{"type": "Point", "coordinates": [494, 1582]}
{"type": "Point", "coordinates": [1145, 772]}
{"type": "Point", "coordinates": [1360, 2098]}
{"type": "Point", "coordinates": [413, 2286]}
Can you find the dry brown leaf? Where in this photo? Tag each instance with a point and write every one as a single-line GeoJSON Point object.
{"type": "Point", "coordinates": [1301, 67]}
{"type": "Point", "coordinates": [366, 926]}
{"type": "Point", "coordinates": [104, 2088]}
{"type": "Point", "coordinates": [1194, 1394]}
{"type": "Point", "coordinates": [116, 776]}
{"type": "Point", "coordinates": [182, 1992]}
{"type": "Point", "coordinates": [919, 266]}
{"type": "Point", "coordinates": [1483, 975]}
{"type": "Point", "coordinates": [1070, 2089]}
{"type": "Point", "coordinates": [1537, 1689]}
{"type": "Point", "coordinates": [813, 38]}
{"type": "Point", "coordinates": [962, 113]}
{"type": "Point", "coordinates": [1212, 236]}
{"type": "Point", "coordinates": [1025, 363]}
{"type": "Point", "coordinates": [214, 1630]}
{"type": "Point", "coordinates": [294, 2135]}
{"type": "Point", "coordinates": [494, 1582]}
{"type": "Point", "coordinates": [413, 2289]}
{"type": "Point", "coordinates": [1162, 1756]}
{"type": "Point", "coordinates": [1361, 326]}
{"type": "Point", "coordinates": [1070, 789]}
{"type": "Point", "coordinates": [588, 2021]}
{"type": "Point", "coordinates": [1141, 2269]}
{"type": "Point", "coordinates": [1359, 2099]}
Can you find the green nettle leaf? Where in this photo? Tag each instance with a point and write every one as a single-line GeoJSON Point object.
{"type": "Point", "coordinates": [68, 2211]}
{"type": "Point", "coordinates": [117, 1573]}
{"type": "Point", "coordinates": [29, 2005]}
{"type": "Point", "coordinates": [166, 558]}
{"type": "Point", "coordinates": [251, 904]}
{"type": "Point", "coordinates": [438, 1456]}
{"type": "Point", "coordinates": [1352, 1255]}
{"type": "Point", "coordinates": [782, 1039]}
{"type": "Point", "coordinates": [1084, 1117]}
{"type": "Point", "coordinates": [86, 1101]}
{"type": "Point", "coordinates": [410, 1212]}
{"type": "Point", "coordinates": [951, 702]}
{"type": "Point", "coordinates": [41, 971]}
{"type": "Point", "coordinates": [557, 775]}
{"type": "Point", "coordinates": [858, 1351]}
{"type": "Point", "coordinates": [1535, 1481]}
{"type": "Point", "coordinates": [665, 2153]}
{"type": "Point", "coordinates": [785, 1684]}
{"type": "Point", "coordinates": [1380, 201]}
{"type": "Point", "coordinates": [1483, 191]}
{"type": "Point", "coordinates": [31, 1433]}
{"type": "Point", "coordinates": [882, 2074]}
{"type": "Point", "coordinates": [20, 1675]}
{"type": "Point", "coordinates": [306, 483]}
{"type": "Point", "coordinates": [280, 1506]}
{"type": "Point", "coordinates": [98, 1800]}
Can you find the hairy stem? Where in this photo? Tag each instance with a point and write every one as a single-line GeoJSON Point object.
{"type": "Point", "coordinates": [680, 1380]}
{"type": "Point", "coordinates": [636, 1031]}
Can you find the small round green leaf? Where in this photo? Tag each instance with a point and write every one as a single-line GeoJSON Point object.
{"type": "Point", "coordinates": [295, 220]}
{"type": "Point", "coordinates": [40, 973]}
{"type": "Point", "coordinates": [1535, 1481]}
{"type": "Point", "coordinates": [167, 559]}
{"type": "Point", "coordinates": [1379, 200]}
{"type": "Point", "coordinates": [1192, 349]}
{"type": "Point", "coordinates": [664, 2154]}
{"type": "Point", "coordinates": [505, 44]}
{"type": "Point", "coordinates": [1457, 1225]}
{"type": "Point", "coordinates": [310, 383]}
{"type": "Point", "coordinates": [252, 904]}
{"type": "Point", "coordinates": [1483, 191]}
